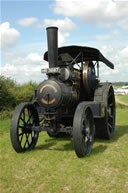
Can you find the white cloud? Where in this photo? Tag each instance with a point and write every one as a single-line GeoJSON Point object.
{"type": "Point", "coordinates": [103, 37]}
{"type": "Point", "coordinates": [100, 12]}
{"type": "Point", "coordinates": [8, 36]}
{"type": "Point", "coordinates": [124, 24]}
{"type": "Point", "coordinates": [118, 58]}
{"type": "Point", "coordinates": [27, 21]}
{"type": "Point", "coordinates": [61, 38]}
{"type": "Point", "coordinates": [23, 69]}
{"type": "Point", "coordinates": [34, 57]}
{"type": "Point", "coordinates": [65, 27]}
{"type": "Point", "coordinates": [109, 36]}
{"type": "Point", "coordinates": [124, 52]}
{"type": "Point", "coordinates": [107, 50]}
{"type": "Point", "coordinates": [65, 24]}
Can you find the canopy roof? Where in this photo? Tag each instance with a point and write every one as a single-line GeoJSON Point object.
{"type": "Point", "coordinates": [68, 53]}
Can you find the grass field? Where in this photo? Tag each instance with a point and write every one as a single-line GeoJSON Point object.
{"type": "Point", "coordinates": [123, 98]}
{"type": "Point", "coordinates": [54, 168]}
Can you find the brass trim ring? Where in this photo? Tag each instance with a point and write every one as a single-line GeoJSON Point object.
{"type": "Point", "coordinates": [84, 74]}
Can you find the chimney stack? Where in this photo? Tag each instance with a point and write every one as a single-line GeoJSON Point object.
{"type": "Point", "coordinates": [52, 39]}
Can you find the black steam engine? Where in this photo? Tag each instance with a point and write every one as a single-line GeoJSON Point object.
{"type": "Point", "coordinates": [71, 101]}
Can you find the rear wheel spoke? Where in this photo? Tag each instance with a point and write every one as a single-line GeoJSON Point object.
{"type": "Point", "coordinates": [105, 126]}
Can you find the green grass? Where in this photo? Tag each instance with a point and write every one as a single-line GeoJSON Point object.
{"type": "Point", "coordinates": [54, 168]}
{"type": "Point", "coordinates": [123, 98]}
{"type": "Point", "coordinates": [4, 126]}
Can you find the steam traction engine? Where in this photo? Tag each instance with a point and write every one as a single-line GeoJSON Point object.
{"type": "Point", "coordinates": [71, 101]}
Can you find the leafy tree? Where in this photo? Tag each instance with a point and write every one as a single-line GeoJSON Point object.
{"type": "Point", "coordinates": [12, 94]}
{"type": "Point", "coordinates": [7, 99]}
{"type": "Point", "coordinates": [25, 92]}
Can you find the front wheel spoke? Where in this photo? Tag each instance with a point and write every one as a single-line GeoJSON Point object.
{"type": "Point", "coordinates": [83, 131]}
{"type": "Point", "coordinates": [90, 138]}
{"type": "Point", "coordinates": [20, 126]}
{"type": "Point", "coordinates": [110, 104]}
{"type": "Point", "coordinates": [30, 116]}
{"type": "Point", "coordinates": [21, 138]}
{"type": "Point", "coordinates": [27, 137]}
{"type": "Point", "coordinates": [26, 142]}
{"type": "Point", "coordinates": [109, 125]}
{"type": "Point", "coordinates": [110, 94]}
{"type": "Point", "coordinates": [33, 122]}
{"type": "Point", "coordinates": [29, 119]}
{"type": "Point", "coordinates": [34, 134]}
{"type": "Point", "coordinates": [86, 139]}
{"type": "Point", "coordinates": [20, 134]}
{"type": "Point", "coordinates": [110, 116]}
{"type": "Point", "coordinates": [30, 141]}
{"type": "Point", "coordinates": [24, 115]}
{"type": "Point", "coordinates": [22, 120]}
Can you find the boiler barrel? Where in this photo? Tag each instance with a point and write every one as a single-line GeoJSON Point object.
{"type": "Point", "coordinates": [53, 94]}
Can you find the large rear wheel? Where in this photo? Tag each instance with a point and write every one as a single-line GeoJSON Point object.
{"type": "Point", "coordinates": [105, 126]}
{"type": "Point", "coordinates": [25, 117]}
{"type": "Point", "coordinates": [83, 130]}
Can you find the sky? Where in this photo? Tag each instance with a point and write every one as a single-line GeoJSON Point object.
{"type": "Point", "coordinates": [102, 24]}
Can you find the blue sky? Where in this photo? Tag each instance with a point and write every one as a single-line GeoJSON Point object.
{"type": "Point", "coordinates": [101, 24]}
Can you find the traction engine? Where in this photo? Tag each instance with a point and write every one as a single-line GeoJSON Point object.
{"type": "Point", "coordinates": [72, 101]}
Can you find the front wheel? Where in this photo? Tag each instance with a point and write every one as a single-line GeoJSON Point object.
{"type": "Point", "coordinates": [83, 130]}
{"type": "Point", "coordinates": [25, 117]}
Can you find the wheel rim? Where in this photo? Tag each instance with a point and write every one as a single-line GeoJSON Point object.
{"type": "Point", "coordinates": [111, 111]}
{"type": "Point", "coordinates": [25, 134]}
{"type": "Point", "coordinates": [87, 131]}
{"type": "Point", "coordinates": [83, 130]}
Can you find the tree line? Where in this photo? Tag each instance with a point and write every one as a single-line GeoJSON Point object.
{"type": "Point", "coordinates": [120, 84]}
{"type": "Point", "coordinates": [12, 94]}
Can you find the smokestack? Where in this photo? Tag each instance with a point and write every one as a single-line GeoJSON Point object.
{"type": "Point", "coordinates": [52, 39]}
